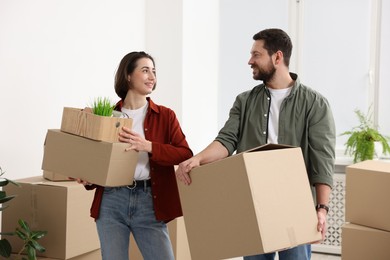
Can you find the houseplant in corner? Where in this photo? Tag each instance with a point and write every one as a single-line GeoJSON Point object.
{"type": "Point", "coordinates": [29, 237]}
{"type": "Point", "coordinates": [361, 141]}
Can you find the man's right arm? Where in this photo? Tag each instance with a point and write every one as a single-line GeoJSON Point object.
{"type": "Point", "coordinates": [213, 152]}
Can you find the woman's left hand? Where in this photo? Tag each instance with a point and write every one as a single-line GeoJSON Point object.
{"type": "Point", "coordinates": [136, 142]}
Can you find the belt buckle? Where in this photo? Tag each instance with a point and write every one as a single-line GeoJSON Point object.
{"type": "Point", "coordinates": [132, 186]}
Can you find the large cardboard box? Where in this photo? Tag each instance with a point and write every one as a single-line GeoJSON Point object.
{"type": "Point", "coordinates": [100, 128]}
{"type": "Point", "coordinates": [254, 202]}
{"type": "Point", "coordinates": [367, 194]}
{"type": "Point", "coordinates": [52, 176]}
{"type": "Point", "coordinates": [60, 208]}
{"type": "Point", "coordinates": [178, 236]}
{"type": "Point", "coordinates": [102, 163]}
{"type": "Point", "coordinates": [363, 243]}
{"type": "Point", "coordinates": [94, 255]}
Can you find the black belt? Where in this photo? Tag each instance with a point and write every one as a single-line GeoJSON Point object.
{"type": "Point", "coordinates": [140, 184]}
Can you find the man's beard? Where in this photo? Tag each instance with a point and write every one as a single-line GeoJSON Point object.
{"type": "Point", "coordinates": [265, 75]}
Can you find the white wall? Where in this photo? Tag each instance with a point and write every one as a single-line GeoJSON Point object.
{"type": "Point", "coordinates": [53, 54]}
{"type": "Point", "coordinates": [239, 21]}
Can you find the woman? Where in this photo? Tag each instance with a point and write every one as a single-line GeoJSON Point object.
{"type": "Point", "coordinates": [144, 207]}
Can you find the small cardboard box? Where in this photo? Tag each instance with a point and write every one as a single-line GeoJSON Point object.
{"type": "Point", "coordinates": [250, 203]}
{"type": "Point", "coordinates": [100, 128]}
{"type": "Point", "coordinates": [60, 208]}
{"type": "Point", "coordinates": [102, 163]}
{"type": "Point", "coordinates": [362, 243]}
{"type": "Point", "coordinates": [367, 194]}
{"type": "Point", "coordinates": [178, 236]}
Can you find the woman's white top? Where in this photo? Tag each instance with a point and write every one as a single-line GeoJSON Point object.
{"type": "Point", "coordinates": [142, 170]}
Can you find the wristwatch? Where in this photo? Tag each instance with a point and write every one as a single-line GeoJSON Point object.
{"type": "Point", "coordinates": [322, 206]}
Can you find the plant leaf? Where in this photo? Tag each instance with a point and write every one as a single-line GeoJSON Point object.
{"type": "Point", "coordinates": [7, 198]}
{"type": "Point", "coordinates": [20, 234]}
{"type": "Point", "coordinates": [38, 234]}
{"type": "Point", "coordinates": [37, 246]}
{"type": "Point", "coordinates": [31, 253]}
{"type": "Point", "coordinates": [3, 182]}
{"type": "Point", "coordinates": [5, 248]}
{"type": "Point", "coordinates": [23, 224]}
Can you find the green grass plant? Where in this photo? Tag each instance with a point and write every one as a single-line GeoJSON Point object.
{"type": "Point", "coordinates": [102, 106]}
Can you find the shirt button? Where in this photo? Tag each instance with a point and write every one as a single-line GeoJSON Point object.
{"type": "Point", "coordinates": [154, 197]}
{"type": "Point", "coordinates": [268, 98]}
{"type": "Point", "coordinates": [264, 133]}
{"type": "Point", "coordinates": [265, 115]}
{"type": "Point", "coordinates": [146, 129]}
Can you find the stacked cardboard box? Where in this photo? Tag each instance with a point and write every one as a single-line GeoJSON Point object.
{"type": "Point", "coordinates": [237, 206]}
{"type": "Point", "coordinates": [94, 255]}
{"type": "Point", "coordinates": [87, 147]}
{"type": "Point", "coordinates": [366, 235]}
{"type": "Point", "coordinates": [100, 128]}
{"type": "Point", "coordinates": [61, 209]}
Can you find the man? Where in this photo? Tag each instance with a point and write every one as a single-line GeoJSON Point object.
{"type": "Point", "coordinates": [280, 110]}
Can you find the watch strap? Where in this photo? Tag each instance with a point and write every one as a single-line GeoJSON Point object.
{"type": "Point", "coordinates": [322, 206]}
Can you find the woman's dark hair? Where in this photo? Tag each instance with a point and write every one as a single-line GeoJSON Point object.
{"type": "Point", "coordinates": [276, 40]}
{"type": "Point", "coordinates": [126, 67]}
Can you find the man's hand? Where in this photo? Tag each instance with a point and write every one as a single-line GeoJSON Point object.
{"type": "Point", "coordinates": [321, 226]}
{"type": "Point", "coordinates": [183, 171]}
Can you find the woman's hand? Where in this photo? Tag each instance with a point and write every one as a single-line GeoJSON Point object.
{"type": "Point", "coordinates": [137, 142]}
{"type": "Point", "coordinates": [85, 183]}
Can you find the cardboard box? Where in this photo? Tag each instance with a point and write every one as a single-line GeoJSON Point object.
{"type": "Point", "coordinates": [60, 208]}
{"type": "Point", "coordinates": [51, 176]}
{"type": "Point", "coordinates": [178, 236]}
{"type": "Point", "coordinates": [362, 243]}
{"type": "Point", "coordinates": [100, 128]}
{"type": "Point", "coordinates": [254, 202]}
{"type": "Point", "coordinates": [367, 194]}
{"type": "Point", "coordinates": [102, 163]}
{"type": "Point", "coordinates": [94, 255]}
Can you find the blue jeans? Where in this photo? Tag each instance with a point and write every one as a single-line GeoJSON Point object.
{"type": "Point", "coordinates": [302, 252]}
{"type": "Point", "coordinates": [124, 211]}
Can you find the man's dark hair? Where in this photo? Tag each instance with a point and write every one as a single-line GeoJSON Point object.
{"type": "Point", "coordinates": [276, 40]}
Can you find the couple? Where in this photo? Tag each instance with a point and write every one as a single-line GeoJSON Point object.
{"type": "Point", "coordinates": [145, 207]}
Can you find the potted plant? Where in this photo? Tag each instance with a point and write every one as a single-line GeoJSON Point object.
{"type": "Point", "coordinates": [102, 106]}
{"type": "Point", "coordinates": [29, 237]}
{"type": "Point", "coordinates": [362, 138]}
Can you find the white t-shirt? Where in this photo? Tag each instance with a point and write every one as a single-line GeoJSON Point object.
{"type": "Point", "coordinates": [277, 97]}
{"type": "Point", "coordinates": [142, 170]}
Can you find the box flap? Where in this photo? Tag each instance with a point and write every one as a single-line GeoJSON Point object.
{"type": "Point", "coordinates": [371, 165]}
{"type": "Point", "coordinates": [268, 147]}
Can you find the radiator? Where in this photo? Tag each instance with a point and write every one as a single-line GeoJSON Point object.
{"type": "Point", "coordinates": [336, 218]}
